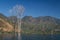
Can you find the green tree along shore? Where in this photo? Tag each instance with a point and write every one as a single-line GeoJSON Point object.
{"type": "Point", "coordinates": [30, 25]}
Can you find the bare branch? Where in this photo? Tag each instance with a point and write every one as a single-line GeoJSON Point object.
{"type": "Point", "coordinates": [17, 10]}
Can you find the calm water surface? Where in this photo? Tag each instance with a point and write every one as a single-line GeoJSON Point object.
{"type": "Point", "coordinates": [29, 37]}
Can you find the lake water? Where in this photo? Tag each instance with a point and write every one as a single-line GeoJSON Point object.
{"type": "Point", "coordinates": [30, 37]}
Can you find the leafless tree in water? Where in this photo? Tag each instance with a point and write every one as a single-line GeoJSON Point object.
{"type": "Point", "coordinates": [17, 11]}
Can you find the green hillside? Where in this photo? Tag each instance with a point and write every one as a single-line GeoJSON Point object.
{"type": "Point", "coordinates": [31, 25]}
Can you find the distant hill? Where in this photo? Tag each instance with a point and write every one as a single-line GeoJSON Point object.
{"type": "Point", "coordinates": [42, 24]}
{"type": "Point", "coordinates": [38, 24]}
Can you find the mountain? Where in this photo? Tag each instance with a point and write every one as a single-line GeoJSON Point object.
{"type": "Point", "coordinates": [38, 24]}
{"type": "Point", "coordinates": [4, 24]}
{"type": "Point", "coordinates": [41, 24]}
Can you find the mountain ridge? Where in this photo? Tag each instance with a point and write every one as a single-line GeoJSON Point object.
{"type": "Point", "coordinates": [34, 24]}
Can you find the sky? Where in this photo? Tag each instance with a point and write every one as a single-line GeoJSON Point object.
{"type": "Point", "coordinates": [33, 8]}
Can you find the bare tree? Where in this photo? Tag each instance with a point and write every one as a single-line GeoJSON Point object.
{"type": "Point", "coordinates": [17, 11]}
